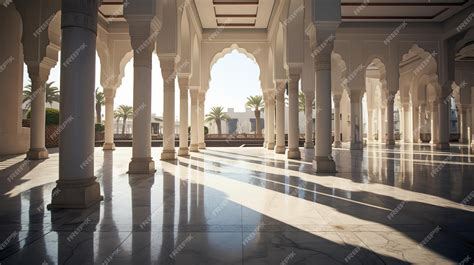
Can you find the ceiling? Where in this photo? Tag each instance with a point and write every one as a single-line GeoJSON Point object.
{"type": "Point", "coordinates": [400, 10]}
{"type": "Point", "coordinates": [235, 14]}
{"type": "Point", "coordinates": [256, 13]}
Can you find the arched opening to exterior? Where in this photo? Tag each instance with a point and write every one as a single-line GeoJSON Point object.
{"type": "Point", "coordinates": [419, 96]}
{"type": "Point", "coordinates": [235, 76]}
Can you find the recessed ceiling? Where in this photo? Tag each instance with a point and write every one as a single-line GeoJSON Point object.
{"type": "Point", "coordinates": [235, 14]}
{"type": "Point", "coordinates": [400, 10]}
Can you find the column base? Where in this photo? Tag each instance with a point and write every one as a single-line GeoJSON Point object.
{"type": "Point", "coordinates": [202, 145]}
{"type": "Point", "coordinates": [357, 146]}
{"type": "Point", "coordinates": [324, 164]}
{"type": "Point", "coordinates": [108, 146]}
{"type": "Point", "coordinates": [167, 155]}
{"type": "Point", "coordinates": [338, 144]}
{"type": "Point", "coordinates": [293, 153]}
{"type": "Point", "coordinates": [390, 143]}
{"type": "Point", "coordinates": [271, 146]}
{"type": "Point", "coordinates": [183, 151]}
{"type": "Point", "coordinates": [307, 154]}
{"type": "Point", "coordinates": [308, 145]}
{"type": "Point", "coordinates": [37, 154]}
{"type": "Point", "coordinates": [442, 146]}
{"type": "Point", "coordinates": [75, 194]}
{"type": "Point", "coordinates": [194, 148]}
{"type": "Point", "coordinates": [142, 165]}
{"type": "Point", "coordinates": [265, 144]}
{"type": "Point", "coordinates": [280, 149]}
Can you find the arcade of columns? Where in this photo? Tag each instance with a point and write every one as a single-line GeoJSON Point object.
{"type": "Point", "coordinates": [332, 64]}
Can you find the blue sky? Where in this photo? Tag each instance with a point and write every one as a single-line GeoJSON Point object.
{"type": "Point", "coordinates": [233, 78]}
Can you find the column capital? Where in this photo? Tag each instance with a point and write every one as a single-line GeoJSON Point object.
{"type": "Point", "coordinates": [38, 73]}
{"type": "Point", "coordinates": [80, 13]}
{"type": "Point", "coordinates": [183, 82]}
{"type": "Point", "coordinates": [194, 93]}
{"type": "Point", "coordinates": [280, 87]}
{"type": "Point", "coordinates": [269, 95]}
{"type": "Point", "coordinates": [109, 93]}
{"type": "Point", "coordinates": [356, 95]}
{"type": "Point", "coordinates": [168, 69]}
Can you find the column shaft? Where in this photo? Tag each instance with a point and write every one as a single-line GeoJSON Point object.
{"type": "Point", "coordinates": [443, 125]}
{"type": "Point", "coordinates": [308, 109]}
{"type": "Point", "coordinates": [434, 123]}
{"type": "Point", "coordinates": [356, 120]}
{"type": "Point", "coordinates": [37, 125]}
{"type": "Point", "coordinates": [390, 128]}
{"type": "Point", "coordinates": [280, 117]}
{"type": "Point", "coordinates": [183, 116]}
{"type": "Point", "coordinates": [337, 122]}
{"type": "Point", "coordinates": [169, 75]}
{"type": "Point", "coordinates": [77, 186]}
{"type": "Point", "coordinates": [109, 122]}
{"type": "Point", "coordinates": [463, 120]}
{"type": "Point", "coordinates": [270, 108]}
{"type": "Point", "coordinates": [194, 147]}
{"type": "Point", "coordinates": [323, 161]}
{"type": "Point", "coordinates": [142, 162]}
{"type": "Point", "coordinates": [202, 143]}
{"type": "Point", "coordinates": [293, 151]}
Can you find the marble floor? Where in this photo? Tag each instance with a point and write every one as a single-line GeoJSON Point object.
{"type": "Point", "coordinates": [248, 206]}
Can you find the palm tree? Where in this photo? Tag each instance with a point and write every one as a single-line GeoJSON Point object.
{"type": "Point", "coordinates": [217, 115]}
{"type": "Point", "coordinates": [301, 102]}
{"type": "Point", "coordinates": [255, 103]}
{"type": "Point", "coordinates": [52, 94]}
{"type": "Point", "coordinates": [99, 102]}
{"type": "Point", "coordinates": [124, 112]}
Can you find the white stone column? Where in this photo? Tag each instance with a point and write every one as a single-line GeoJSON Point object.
{"type": "Point", "coordinates": [323, 161]}
{"type": "Point", "coordinates": [38, 149]}
{"type": "Point", "coordinates": [109, 119]}
{"type": "Point", "coordinates": [383, 126]}
{"type": "Point", "coordinates": [390, 127]}
{"type": "Point", "coordinates": [443, 116]}
{"type": "Point", "coordinates": [309, 130]}
{"type": "Point", "coordinates": [194, 146]}
{"type": "Point", "coordinates": [421, 121]}
{"type": "Point", "coordinates": [265, 122]}
{"type": "Point", "coordinates": [77, 186]}
{"type": "Point", "coordinates": [183, 116]}
{"type": "Point", "coordinates": [280, 146]}
{"type": "Point", "coordinates": [434, 123]}
{"type": "Point", "coordinates": [416, 124]}
{"type": "Point", "coordinates": [142, 161]}
{"type": "Point", "coordinates": [356, 119]}
{"type": "Point", "coordinates": [201, 135]}
{"type": "Point", "coordinates": [370, 128]}
{"type": "Point", "coordinates": [293, 151]}
{"type": "Point", "coordinates": [168, 67]}
{"type": "Point", "coordinates": [463, 120]}
{"type": "Point", "coordinates": [407, 128]}
{"type": "Point", "coordinates": [270, 108]}
{"type": "Point", "coordinates": [337, 121]}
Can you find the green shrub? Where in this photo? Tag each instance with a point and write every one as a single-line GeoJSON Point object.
{"type": "Point", "coordinates": [99, 127]}
{"type": "Point", "coordinates": [206, 130]}
{"type": "Point", "coordinates": [52, 116]}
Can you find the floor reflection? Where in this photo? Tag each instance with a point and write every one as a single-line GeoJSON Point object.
{"type": "Point", "coordinates": [249, 206]}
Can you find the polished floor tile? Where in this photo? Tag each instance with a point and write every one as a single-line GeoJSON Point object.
{"type": "Point", "coordinates": [410, 204]}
